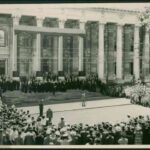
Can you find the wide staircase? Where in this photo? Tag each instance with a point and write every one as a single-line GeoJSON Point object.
{"type": "Point", "coordinates": [20, 99]}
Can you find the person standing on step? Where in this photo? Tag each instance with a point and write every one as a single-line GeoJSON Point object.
{"type": "Point", "coordinates": [54, 88]}
{"type": "Point", "coordinates": [83, 99]}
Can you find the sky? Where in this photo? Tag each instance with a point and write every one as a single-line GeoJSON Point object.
{"type": "Point", "coordinates": [126, 6]}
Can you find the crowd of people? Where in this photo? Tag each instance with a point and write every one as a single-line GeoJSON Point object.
{"type": "Point", "coordinates": [19, 127]}
{"type": "Point", "coordinates": [139, 93]}
{"type": "Point", "coordinates": [51, 83]}
{"type": "Point", "coordinates": [48, 83]}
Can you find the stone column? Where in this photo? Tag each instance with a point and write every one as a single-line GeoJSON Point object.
{"type": "Point", "coordinates": [136, 59]}
{"type": "Point", "coordinates": [146, 54]}
{"type": "Point", "coordinates": [16, 19]}
{"type": "Point", "coordinates": [38, 52]}
{"type": "Point", "coordinates": [101, 54]}
{"type": "Point", "coordinates": [60, 47]}
{"type": "Point", "coordinates": [119, 59]}
{"type": "Point", "coordinates": [37, 58]}
{"type": "Point", "coordinates": [81, 48]}
{"type": "Point", "coordinates": [55, 54]}
{"type": "Point", "coordinates": [34, 56]}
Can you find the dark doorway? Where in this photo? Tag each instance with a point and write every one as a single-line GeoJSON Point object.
{"type": "Point", "coordinates": [2, 67]}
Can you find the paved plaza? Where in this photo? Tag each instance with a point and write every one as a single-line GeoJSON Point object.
{"type": "Point", "coordinates": [112, 110]}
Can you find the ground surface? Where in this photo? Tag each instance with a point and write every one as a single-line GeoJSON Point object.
{"type": "Point", "coordinates": [99, 108]}
{"type": "Point", "coordinates": [31, 99]}
{"type": "Point", "coordinates": [110, 110]}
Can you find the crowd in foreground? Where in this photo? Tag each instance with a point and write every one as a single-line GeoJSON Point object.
{"type": "Point", "coordinates": [18, 127]}
{"type": "Point", "coordinates": [51, 83]}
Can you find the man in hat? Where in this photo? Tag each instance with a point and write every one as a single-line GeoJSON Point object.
{"type": "Point", "coordinates": [123, 140]}
{"type": "Point", "coordinates": [110, 139]}
{"type": "Point", "coordinates": [41, 107]}
{"type": "Point", "coordinates": [39, 140]}
{"type": "Point", "coordinates": [13, 135]}
{"type": "Point", "coordinates": [138, 139]}
{"type": "Point", "coordinates": [74, 138]}
{"type": "Point", "coordinates": [53, 135]}
{"type": "Point", "coordinates": [57, 141]}
{"type": "Point", "coordinates": [49, 114]}
{"type": "Point", "coordinates": [19, 139]}
{"type": "Point", "coordinates": [54, 88]}
{"type": "Point", "coordinates": [65, 139]}
{"type": "Point", "coordinates": [61, 124]}
{"type": "Point", "coordinates": [47, 139]}
{"type": "Point", "coordinates": [29, 139]}
{"type": "Point", "coordinates": [23, 134]}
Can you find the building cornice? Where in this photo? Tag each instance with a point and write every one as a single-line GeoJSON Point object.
{"type": "Point", "coordinates": [89, 13]}
{"type": "Point", "coordinates": [112, 10]}
{"type": "Point", "coordinates": [97, 9]}
{"type": "Point", "coordinates": [116, 10]}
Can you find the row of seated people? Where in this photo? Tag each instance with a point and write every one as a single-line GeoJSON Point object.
{"type": "Point", "coordinates": [19, 127]}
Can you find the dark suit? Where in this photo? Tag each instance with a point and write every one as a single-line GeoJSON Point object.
{"type": "Point", "coordinates": [29, 140]}
{"type": "Point", "coordinates": [49, 114]}
{"type": "Point", "coordinates": [41, 108]}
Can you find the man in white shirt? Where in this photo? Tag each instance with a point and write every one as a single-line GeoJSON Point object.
{"type": "Point", "coordinates": [13, 134]}
{"type": "Point", "coordinates": [61, 124]}
{"type": "Point", "coordinates": [44, 120]}
{"type": "Point", "coordinates": [29, 121]}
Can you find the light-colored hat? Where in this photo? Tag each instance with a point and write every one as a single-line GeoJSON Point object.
{"type": "Point", "coordinates": [122, 124]}
{"type": "Point", "coordinates": [54, 127]}
{"type": "Point", "coordinates": [105, 132]}
{"type": "Point", "coordinates": [138, 128]}
{"type": "Point", "coordinates": [63, 130]}
{"type": "Point", "coordinates": [73, 133]}
{"type": "Point", "coordinates": [57, 133]}
{"type": "Point", "coordinates": [118, 128]}
{"type": "Point", "coordinates": [48, 132]}
{"type": "Point", "coordinates": [65, 135]}
{"type": "Point", "coordinates": [51, 143]}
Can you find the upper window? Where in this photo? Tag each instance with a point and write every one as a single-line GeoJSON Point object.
{"type": "Point", "coordinates": [25, 40]}
{"type": "Point", "coordinates": [2, 38]}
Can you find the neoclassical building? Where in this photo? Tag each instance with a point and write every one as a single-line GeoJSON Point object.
{"type": "Point", "coordinates": [109, 42]}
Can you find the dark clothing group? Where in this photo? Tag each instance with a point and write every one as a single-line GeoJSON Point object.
{"type": "Point", "coordinates": [50, 85]}
{"type": "Point", "coordinates": [53, 84]}
{"type": "Point", "coordinates": [9, 85]}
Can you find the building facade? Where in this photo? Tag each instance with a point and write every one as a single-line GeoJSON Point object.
{"type": "Point", "coordinates": [108, 42]}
